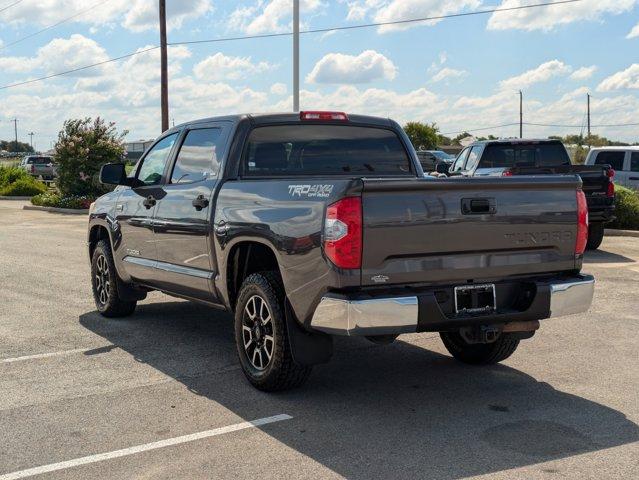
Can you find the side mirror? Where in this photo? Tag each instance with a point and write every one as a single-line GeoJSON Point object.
{"type": "Point", "coordinates": [442, 167]}
{"type": "Point", "coordinates": [114, 174]}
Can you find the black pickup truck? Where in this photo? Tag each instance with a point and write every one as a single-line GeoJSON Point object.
{"type": "Point", "coordinates": [542, 157]}
{"type": "Point", "coordinates": [316, 224]}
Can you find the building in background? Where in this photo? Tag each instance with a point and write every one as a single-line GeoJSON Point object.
{"type": "Point", "coordinates": [134, 150]}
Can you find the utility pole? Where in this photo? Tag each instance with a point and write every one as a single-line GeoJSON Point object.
{"type": "Point", "coordinates": [296, 55]}
{"type": "Point", "coordinates": [588, 98]}
{"type": "Point", "coordinates": [15, 128]}
{"type": "Point", "coordinates": [521, 114]}
{"type": "Point", "coordinates": [164, 81]}
{"type": "Point", "coordinates": [31, 134]}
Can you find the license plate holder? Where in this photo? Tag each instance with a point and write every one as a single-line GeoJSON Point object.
{"type": "Point", "coordinates": [475, 299]}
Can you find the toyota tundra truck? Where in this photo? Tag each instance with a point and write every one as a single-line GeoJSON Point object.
{"type": "Point", "coordinates": [316, 224]}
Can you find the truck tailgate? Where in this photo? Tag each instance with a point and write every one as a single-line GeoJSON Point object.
{"type": "Point", "coordinates": [461, 229]}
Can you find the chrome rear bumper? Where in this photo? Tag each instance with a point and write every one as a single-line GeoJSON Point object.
{"type": "Point", "coordinates": [340, 315]}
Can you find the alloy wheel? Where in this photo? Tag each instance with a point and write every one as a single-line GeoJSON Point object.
{"type": "Point", "coordinates": [257, 332]}
{"type": "Point", "coordinates": [102, 281]}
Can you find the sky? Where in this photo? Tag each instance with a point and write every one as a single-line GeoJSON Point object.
{"type": "Point", "coordinates": [462, 73]}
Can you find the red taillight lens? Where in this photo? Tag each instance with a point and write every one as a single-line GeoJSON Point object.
{"type": "Point", "coordinates": [343, 233]}
{"type": "Point", "coordinates": [32, 168]}
{"type": "Point", "coordinates": [610, 173]}
{"type": "Point", "coordinates": [507, 173]}
{"type": "Point", "coordinates": [315, 115]}
{"type": "Point", "coordinates": [611, 189]}
{"type": "Point", "coordinates": [582, 223]}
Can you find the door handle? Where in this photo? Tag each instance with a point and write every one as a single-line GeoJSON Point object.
{"type": "Point", "coordinates": [149, 202]}
{"type": "Point", "coordinates": [633, 178]}
{"type": "Point", "coordinates": [200, 202]}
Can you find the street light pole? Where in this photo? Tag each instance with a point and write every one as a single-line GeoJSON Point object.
{"type": "Point", "coordinates": [296, 55]}
{"type": "Point", "coordinates": [164, 80]}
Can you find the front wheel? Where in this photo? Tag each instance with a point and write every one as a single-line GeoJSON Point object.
{"type": "Point", "coordinates": [104, 283]}
{"type": "Point", "coordinates": [261, 336]}
{"type": "Point", "coordinates": [595, 236]}
{"type": "Point", "coordinates": [479, 353]}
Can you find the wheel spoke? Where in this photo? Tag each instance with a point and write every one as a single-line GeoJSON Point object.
{"type": "Point", "coordinates": [255, 355]}
{"type": "Point", "coordinates": [249, 340]}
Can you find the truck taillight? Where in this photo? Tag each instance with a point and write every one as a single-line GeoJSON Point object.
{"type": "Point", "coordinates": [507, 173]}
{"type": "Point", "coordinates": [343, 233]}
{"type": "Point", "coordinates": [610, 173]}
{"type": "Point", "coordinates": [610, 192]}
{"type": "Point", "coordinates": [32, 168]}
{"type": "Point", "coordinates": [582, 223]}
{"type": "Point", "coordinates": [316, 115]}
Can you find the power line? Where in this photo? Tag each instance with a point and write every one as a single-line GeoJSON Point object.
{"type": "Point", "coordinates": [581, 126]}
{"type": "Point", "coordinates": [377, 24]}
{"type": "Point", "coordinates": [66, 72]}
{"type": "Point", "coordinates": [469, 130]}
{"type": "Point", "coordinates": [10, 5]}
{"type": "Point", "coordinates": [54, 25]}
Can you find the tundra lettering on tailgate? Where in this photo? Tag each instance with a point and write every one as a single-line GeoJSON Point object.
{"type": "Point", "coordinates": [522, 238]}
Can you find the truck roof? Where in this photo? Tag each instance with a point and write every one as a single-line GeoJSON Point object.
{"type": "Point", "coordinates": [268, 118]}
{"type": "Point", "coordinates": [515, 141]}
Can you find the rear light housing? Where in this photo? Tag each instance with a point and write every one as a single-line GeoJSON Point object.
{"type": "Point", "coordinates": [610, 173]}
{"type": "Point", "coordinates": [317, 115]}
{"type": "Point", "coordinates": [343, 233]}
{"type": "Point", "coordinates": [582, 223]}
{"type": "Point", "coordinates": [610, 192]}
{"type": "Point", "coordinates": [32, 168]}
{"type": "Point", "coordinates": [507, 173]}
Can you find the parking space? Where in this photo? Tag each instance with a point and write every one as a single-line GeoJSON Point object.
{"type": "Point", "coordinates": [74, 385]}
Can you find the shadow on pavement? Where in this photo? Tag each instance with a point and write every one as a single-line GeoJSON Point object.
{"type": "Point", "coordinates": [395, 411]}
{"type": "Point", "coordinates": [601, 256]}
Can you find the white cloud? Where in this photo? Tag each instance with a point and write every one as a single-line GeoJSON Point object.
{"type": "Point", "coordinates": [220, 67]}
{"type": "Point", "coordinates": [58, 55]}
{"type": "Point", "coordinates": [393, 10]}
{"type": "Point", "coordinates": [278, 89]}
{"type": "Point", "coordinates": [542, 73]}
{"type": "Point", "coordinates": [135, 15]}
{"type": "Point", "coordinates": [634, 33]}
{"type": "Point", "coordinates": [269, 16]}
{"type": "Point", "coordinates": [363, 68]}
{"type": "Point", "coordinates": [583, 73]}
{"type": "Point", "coordinates": [546, 18]}
{"type": "Point", "coordinates": [448, 73]}
{"type": "Point", "coordinates": [628, 78]}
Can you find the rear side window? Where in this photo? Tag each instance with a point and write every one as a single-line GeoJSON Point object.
{"type": "Point", "coordinates": [634, 162]}
{"type": "Point", "coordinates": [198, 156]}
{"type": "Point", "coordinates": [473, 157]}
{"type": "Point", "coordinates": [612, 158]}
{"type": "Point", "coordinates": [525, 155]}
{"type": "Point", "coordinates": [324, 150]}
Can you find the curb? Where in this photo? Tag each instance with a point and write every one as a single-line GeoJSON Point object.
{"type": "Point", "coordinates": [613, 232]}
{"type": "Point", "coordinates": [6, 197]}
{"type": "Point", "coordinates": [67, 211]}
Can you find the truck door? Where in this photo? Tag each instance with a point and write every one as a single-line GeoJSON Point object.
{"type": "Point", "coordinates": [182, 224]}
{"type": "Point", "coordinates": [135, 208]}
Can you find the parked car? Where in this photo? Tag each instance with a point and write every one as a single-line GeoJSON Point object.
{"type": "Point", "coordinates": [430, 158]}
{"type": "Point", "coordinates": [624, 160]}
{"type": "Point", "coordinates": [39, 166]}
{"type": "Point", "coordinates": [318, 224]}
{"type": "Point", "coordinates": [543, 157]}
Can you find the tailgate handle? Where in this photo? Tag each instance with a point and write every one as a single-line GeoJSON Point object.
{"type": "Point", "coordinates": [478, 206]}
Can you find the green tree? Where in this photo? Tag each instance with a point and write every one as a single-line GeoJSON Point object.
{"type": "Point", "coordinates": [12, 146]}
{"type": "Point", "coordinates": [83, 146]}
{"type": "Point", "coordinates": [422, 135]}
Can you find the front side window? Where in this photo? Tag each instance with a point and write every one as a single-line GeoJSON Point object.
{"type": "Point", "coordinates": [198, 157]}
{"type": "Point", "coordinates": [152, 168]}
{"type": "Point", "coordinates": [459, 162]}
{"type": "Point", "coordinates": [473, 158]}
{"type": "Point", "coordinates": [613, 158]}
{"type": "Point", "coordinates": [324, 150]}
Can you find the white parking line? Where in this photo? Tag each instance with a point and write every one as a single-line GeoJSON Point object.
{"type": "Point", "coordinates": [142, 448]}
{"type": "Point", "coordinates": [47, 355]}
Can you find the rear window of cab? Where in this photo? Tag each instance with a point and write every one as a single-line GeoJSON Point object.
{"type": "Point", "coordinates": [283, 150]}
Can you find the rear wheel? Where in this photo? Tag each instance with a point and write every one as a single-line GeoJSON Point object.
{"type": "Point", "coordinates": [104, 283]}
{"type": "Point", "coordinates": [261, 336]}
{"type": "Point", "coordinates": [595, 236]}
{"type": "Point", "coordinates": [479, 353]}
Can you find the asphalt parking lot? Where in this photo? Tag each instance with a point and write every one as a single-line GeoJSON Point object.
{"type": "Point", "coordinates": [161, 395]}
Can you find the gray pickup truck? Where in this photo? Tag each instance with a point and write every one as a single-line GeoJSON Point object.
{"type": "Point", "coordinates": [317, 224]}
{"type": "Point", "coordinates": [39, 166]}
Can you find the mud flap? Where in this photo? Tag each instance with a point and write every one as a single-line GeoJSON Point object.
{"type": "Point", "coordinates": [307, 348]}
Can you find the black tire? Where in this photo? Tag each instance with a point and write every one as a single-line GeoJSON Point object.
{"type": "Point", "coordinates": [595, 236]}
{"type": "Point", "coordinates": [104, 283]}
{"type": "Point", "coordinates": [479, 353]}
{"type": "Point", "coordinates": [277, 371]}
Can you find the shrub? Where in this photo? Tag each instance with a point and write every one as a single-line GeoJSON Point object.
{"type": "Point", "coordinates": [58, 201]}
{"type": "Point", "coordinates": [26, 186]}
{"type": "Point", "coordinates": [626, 209]}
{"type": "Point", "coordinates": [83, 146]}
{"type": "Point", "coordinates": [10, 174]}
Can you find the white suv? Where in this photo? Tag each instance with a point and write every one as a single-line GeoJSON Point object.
{"type": "Point", "coordinates": [624, 160]}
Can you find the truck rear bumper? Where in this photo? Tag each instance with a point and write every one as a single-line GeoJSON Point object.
{"type": "Point", "coordinates": [350, 315]}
